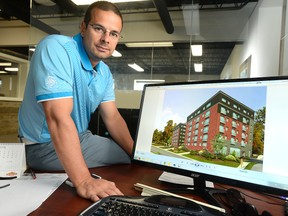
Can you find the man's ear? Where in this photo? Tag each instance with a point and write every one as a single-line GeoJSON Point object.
{"type": "Point", "coordinates": [82, 28]}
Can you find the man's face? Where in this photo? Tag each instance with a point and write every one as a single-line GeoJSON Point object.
{"type": "Point", "coordinates": [100, 35]}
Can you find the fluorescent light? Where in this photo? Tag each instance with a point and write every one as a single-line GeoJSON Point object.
{"type": "Point", "coordinates": [5, 64]}
{"type": "Point", "coordinates": [150, 44]}
{"type": "Point", "coordinates": [11, 69]}
{"type": "Point", "coordinates": [196, 50]}
{"type": "Point", "coordinates": [116, 54]}
{"type": "Point", "coordinates": [45, 2]}
{"type": "Point", "coordinates": [32, 48]}
{"type": "Point", "coordinates": [88, 2]}
{"type": "Point", "coordinates": [136, 67]}
{"type": "Point", "coordinates": [3, 72]}
{"type": "Point", "coordinates": [198, 67]}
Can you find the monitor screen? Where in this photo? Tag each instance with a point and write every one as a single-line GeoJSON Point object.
{"type": "Point", "coordinates": [225, 131]}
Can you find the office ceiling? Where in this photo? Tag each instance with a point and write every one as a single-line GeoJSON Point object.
{"type": "Point", "coordinates": [166, 60]}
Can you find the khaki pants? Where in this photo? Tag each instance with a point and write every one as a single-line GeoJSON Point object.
{"type": "Point", "coordinates": [97, 151]}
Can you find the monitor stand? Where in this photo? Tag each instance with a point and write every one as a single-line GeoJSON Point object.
{"type": "Point", "coordinates": [209, 194]}
{"type": "Point", "coordinates": [199, 188]}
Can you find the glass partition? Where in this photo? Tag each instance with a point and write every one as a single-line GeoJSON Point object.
{"type": "Point", "coordinates": [238, 38]}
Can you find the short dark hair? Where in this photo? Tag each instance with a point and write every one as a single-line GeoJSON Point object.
{"type": "Point", "coordinates": [102, 5]}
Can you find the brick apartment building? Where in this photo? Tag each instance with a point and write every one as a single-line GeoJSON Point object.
{"type": "Point", "coordinates": [221, 114]}
{"type": "Point", "coordinates": [178, 136]}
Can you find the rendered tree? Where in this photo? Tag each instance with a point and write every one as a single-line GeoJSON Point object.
{"type": "Point", "coordinates": [168, 131]}
{"type": "Point", "coordinates": [259, 131]}
{"type": "Point", "coordinates": [218, 144]}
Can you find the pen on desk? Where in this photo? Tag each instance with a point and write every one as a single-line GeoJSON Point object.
{"type": "Point", "coordinates": [96, 176]}
{"type": "Point", "coordinates": [68, 181]}
{"type": "Point", "coordinates": [33, 174]}
{"type": "Point", "coordinates": [3, 186]}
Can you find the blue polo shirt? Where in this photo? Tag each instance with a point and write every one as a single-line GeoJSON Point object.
{"type": "Point", "coordinates": [60, 68]}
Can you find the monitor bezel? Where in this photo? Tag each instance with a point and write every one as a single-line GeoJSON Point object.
{"type": "Point", "coordinates": [203, 177]}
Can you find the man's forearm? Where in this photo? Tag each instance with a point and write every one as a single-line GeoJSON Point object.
{"type": "Point", "coordinates": [67, 145]}
{"type": "Point", "coordinates": [121, 134]}
{"type": "Point", "coordinates": [65, 138]}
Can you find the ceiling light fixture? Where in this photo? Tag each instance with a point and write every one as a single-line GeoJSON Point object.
{"type": "Point", "coordinates": [150, 44]}
{"type": "Point", "coordinates": [3, 72]}
{"type": "Point", "coordinates": [136, 67]}
{"type": "Point", "coordinates": [88, 2]}
{"type": "Point", "coordinates": [5, 64]}
{"type": "Point", "coordinates": [196, 50]}
{"type": "Point", "coordinates": [11, 69]}
{"type": "Point", "coordinates": [116, 54]}
{"type": "Point", "coordinates": [198, 67]}
{"type": "Point", "coordinates": [45, 2]}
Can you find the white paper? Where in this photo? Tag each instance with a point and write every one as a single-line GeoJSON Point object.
{"type": "Point", "coordinates": [180, 179]}
{"type": "Point", "coordinates": [12, 159]}
{"type": "Point", "coordinates": [149, 191]}
{"type": "Point", "coordinates": [26, 194]}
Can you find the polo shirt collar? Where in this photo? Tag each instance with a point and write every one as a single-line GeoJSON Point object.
{"type": "Point", "coordinates": [83, 55]}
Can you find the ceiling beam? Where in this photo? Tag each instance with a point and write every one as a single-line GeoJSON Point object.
{"type": "Point", "coordinates": [20, 9]}
{"type": "Point", "coordinates": [164, 15]}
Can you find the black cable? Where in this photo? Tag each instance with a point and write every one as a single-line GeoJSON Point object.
{"type": "Point", "coordinates": [265, 194]}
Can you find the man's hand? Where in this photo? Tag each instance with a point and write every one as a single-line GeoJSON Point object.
{"type": "Point", "coordinates": [95, 189]}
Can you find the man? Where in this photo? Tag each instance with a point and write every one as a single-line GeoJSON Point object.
{"type": "Point", "coordinates": [67, 81]}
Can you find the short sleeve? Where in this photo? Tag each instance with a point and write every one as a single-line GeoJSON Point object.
{"type": "Point", "coordinates": [110, 93]}
{"type": "Point", "coordinates": [52, 71]}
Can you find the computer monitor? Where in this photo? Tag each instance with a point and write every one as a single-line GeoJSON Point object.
{"type": "Point", "coordinates": [226, 131]}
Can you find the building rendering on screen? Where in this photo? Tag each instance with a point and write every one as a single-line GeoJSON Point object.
{"type": "Point", "coordinates": [220, 116]}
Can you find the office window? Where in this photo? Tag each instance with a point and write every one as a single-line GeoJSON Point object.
{"type": "Point", "coordinates": [205, 137]}
{"type": "Point", "coordinates": [234, 116]}
{"type": "Point", "coordinates": [221, 129]}
{"type": "Point", "coordinates": [223, 110]}
{"type": "Point", "coordinates": [222, 119]}
{"type": "Point", "coordinates": [245, 121]}
{"type": "Point", "coordinates": [238, 37]}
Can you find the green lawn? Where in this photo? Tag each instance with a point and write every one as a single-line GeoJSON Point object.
{"type": "Point", "coordinates": [213, 161]}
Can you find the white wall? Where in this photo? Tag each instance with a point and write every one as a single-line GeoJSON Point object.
{"type": "Point", "coordinates": [284, 42]}
{"type": "Point", "coordinates": [263, 42]}
{"type": "Point", "coordinates": [17, 33]}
